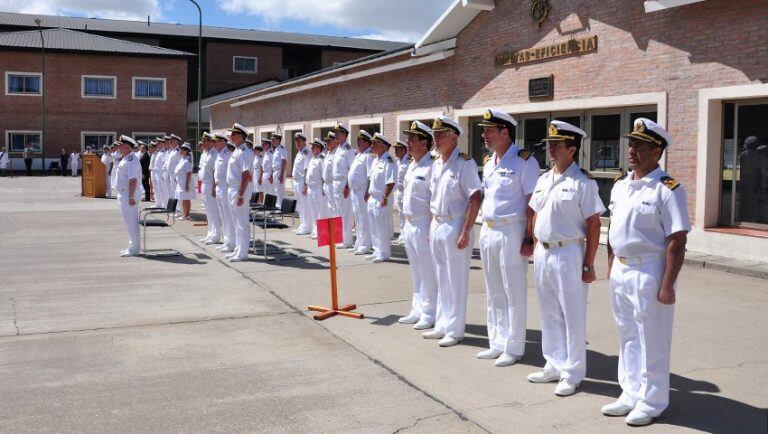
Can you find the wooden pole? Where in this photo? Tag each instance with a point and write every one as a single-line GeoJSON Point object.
{"type": "Point", "coordinates": [334, 290]}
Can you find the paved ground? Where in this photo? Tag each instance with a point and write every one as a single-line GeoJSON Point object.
{"type": "Point", "coordinates": [91, 342]}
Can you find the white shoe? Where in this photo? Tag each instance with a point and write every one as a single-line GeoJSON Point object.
{"type": "Point", "coordinates": [379, 259]}
{"type": "Point", "coordinates": [227, 250]}
{"type": "Point", "coordinates": [231, 255]}
{"type": "Point", "coordinates": [363, 251]}
{"type": "Point", "coordinates": [434, 334]}
{"type": "Point", "coordinates": [303, 233]}
{"type": "Point", "coordinates": [449, 341]}
{"type": "Point", "coordinates": [489, 354]}
{"type": "Point", "coordinates": [128, 254]}
{"type": "Point", "coordinates": [221, 247]}
{"type": "Point", "coordinates": [423, 325]}
{"type": "Point", "coordinates": [506, 360]}
{"type": "Point", "coordinates": [370, 257]}
{"type": "Point", "coordinates": [203, 240]}
{"type": "Point", "coordinates": [342, 246]}
{"type": "Point", "coordinates": [237, 259]}
{"type": "Point", "coordinates": [351, 249]}
{"type": "Point", "coordinates": [410, 319]}
{"type": "Point", "coordinates": [544, 376]}
{"type": "Point", "coordinates": [209, 242]}
{"type": "Point", "coordinates": [638, 417]}
{"type": "Point", "coordinates": [313, 236]}
{"type": "Point", "coordinates": [565, 388]}
{"type": "Point", "coordinates": [616, 408]}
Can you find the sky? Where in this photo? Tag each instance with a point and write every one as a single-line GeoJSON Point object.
{"type": "Point", "coordinates": [400, 20]}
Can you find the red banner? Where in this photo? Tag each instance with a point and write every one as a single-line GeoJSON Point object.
{"type": "Point", "coordinates": [323, 231]}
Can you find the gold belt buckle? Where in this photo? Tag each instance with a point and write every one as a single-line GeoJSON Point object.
{"type": "Point", "coordinates": [623, 260]}
{"type": "Point", "coordinates": [545, 244]}
{"type": "Point", "coordinates": [489, 223]}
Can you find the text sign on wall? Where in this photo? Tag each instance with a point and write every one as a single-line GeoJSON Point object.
{"type": "Point", "coordinates": [540, 87]}
{"type": "Point", "coordinates": [583, 45]}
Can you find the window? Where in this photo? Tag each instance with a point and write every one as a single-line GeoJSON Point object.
{"type": "Point", "coordinates": [477, 148]}
{"type": "Point", "coordinates": [744, 171]}
{"type": "Point", "coordinates": [244, 64]}
{"type": "Point", "coordinates": [95, 86]}
{"type": "Point", "coordinates": [148, 88]}
{"type": "Point", "coordinates": [147, 136]}
{"type": "Point", "coordinates": [23, 83]}
{"type": "Point", "coordinates": [18, 140]}
{"type": "Point", "coordinates": [96, 139]}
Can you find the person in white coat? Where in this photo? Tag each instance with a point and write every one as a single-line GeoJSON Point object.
{"type": "Point", "coordinates": [258, 170]}
{"type": "Point", "coordinates": [313, 188]}
{"type": "Point", "coordinates": [106, 160]}
{"type": "Point", "coordinates": [158, 176]}
{"type": "Point", "coordinates": [266, 167]}
{"type": "Point", "coordinates": [303, 155]}
{"type": "Point", "coordinates": [205, 174]}
{"type": "Point", "coordinates": [567, 210]}
{"type": "Point", "coordinates": [5, 161]}
{"type": "Point", "coordinates": [343, 156]}
{"type": "Point", "coordinates": [646, 249]}
{"type": "Point", "coordinates": [456, 198]}
{"type": "Point", "coordinates": [358, 184]}
{"type": "Point", "coordinates": [506, 238]}
{"type": "Point", "coordinates": [279, 168]}
{"type": "Point", "coordinates": [116, 157]}
{"type": "Point", "coordinates": [127, 177]}
{"type": "Point", "coordinates": [402, 160]}
{"type": "Point", "coordinates": [221, 193]}
{"type": "Point", "coordinates": [330, 147]}
{"type": "Point", "coordinates": [240, 189]}
{"type": "Point", "coordinates": [417, 216]}
{"type": "Point", "coordinates": [380, 186]}
{"type": "Point", "coordinates": [185, 191]}
{"type": "Point", "coordinates": [171, 161]}
{"type": "Point", "coordinates": [74, 162]}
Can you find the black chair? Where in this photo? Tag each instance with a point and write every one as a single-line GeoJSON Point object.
{"type": "Point", "coordinates": [54, 165]}
{"type": "Point", "coordinates": [270, 200]}
{"type": "Point", "coordinates": [288, 207]}
{"type": "Point", "coordinates": [145, 221]}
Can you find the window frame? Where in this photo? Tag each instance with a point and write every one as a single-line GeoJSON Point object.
{"type": "Point", "coordinates": [8, 75]}
{"type": "Point", "coordinates": [95, 133]}
{"type": "Point", "coordinates": [255, 64]}
{"type": "Point", "coordinates": [151, 98]}
{"type": "Point", "coordinates": [86, 76]}
{"type": "Point", "coordinates": [25, 132]}
{"type": "Point", "coordinates": [135, 135]}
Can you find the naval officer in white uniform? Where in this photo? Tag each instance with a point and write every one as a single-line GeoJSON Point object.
{"type": "Point", "coordinates": [567, 210]}
{"type": "Point", "coordinates": [358, 184]}
{"type": "Point", "coordinates": [456, 198]}
{"type": "Point", "coordinates": [303, 155]}
{"type": "Point", "coordinates": [646, 248]}
{"type": "Point", "coordinates": [380, 186]}
{"type": "Point", "coordinates": [208, 190]}
{"type": "Point", "coordinates": [127, 177]}
{"type": "Point", "coordinates": [240, 189]}
{"type": "Point", "coordinates": [402, 160]}
{"type": "Point", "coordinates": [221, 191]}
{"type": "Point", "coordinates": [341, 160]}
{"type": "Point", "coordinates": [313, 188]}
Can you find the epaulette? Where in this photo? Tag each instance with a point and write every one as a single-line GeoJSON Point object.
{"type": "Point", "coordinates": [433, 157]}
{"type": "Point", "coordinates": [525, 155]}
{"type": "Point", "coordinates": [305, 151]}
{"type": "Point", "coordinates": [486, 159]}
{"type": "Point", "coordinates": [669, 182]}
{"type": "Point", "coordinates": [620, 176]}
{"type": "Point", "coordinates": [464, 156]}
{"type": "Point", "coordinates": [389, 158]}
{"type": "Point", "coordinates": [130, 158]}
{"type": "Point", "coordinates": [586, 172]}
{"type": "Point", "coordinates": [347, 146]}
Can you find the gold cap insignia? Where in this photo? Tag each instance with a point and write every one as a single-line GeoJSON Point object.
{"type": "Point", "coordinates": [414, 126]}
{"type": "Point", "coordinates": [488, 115]}
{"type": "Point", "coordinates": [438, 123]}
{"type": "Point", "coordinates": [553, 131]}
{"type": "Point", "coordinates": [639, 126]}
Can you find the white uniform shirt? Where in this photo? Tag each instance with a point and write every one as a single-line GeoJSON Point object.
{"type": "Point", "coordinates": [159, 163]}
{"type": "Point", "coordinates": [106, 160]}
{"type": "Point", "coordinates": [240, 161]}
{"type": "Point", "coordinates": [328, 166]}
{"type": "Point", "coordinates": [452, 183]}
{"type": "Point", "coordinates": [258, 160]}
{"type": "Point", "coordinates": [220, 167]}
{"type": "Point", "coordinates": [129, 168]}
{"type": "Point", "coordinates": [171, 161]}
{"type": "Point", "coordinates": [344, 156]}
{"type": "Point", "coordinates": [644, 213]}
{"type": "Point", "coordinates": [277, 162]}
{"type": "Point", "coordinates": [266, 162]}
{"type": "Point", "coordinates": [507, 183]}
{"type": "Point", "coordinates": [205, 172]}
{"type": "Point", "coordinates": [563, 202]}
{"type": "Point", "coordinates": [314, 175]}
{"type": "Point", "coordinates": [4, 160]}
{"type": "Point", "coordinates": [402, 168]}
{"type": "Point", "coordinates": [180, 172]}
{"type": "Point", "coordinates": [382, 174]}
{"type": "Point", "coordinates": [358, 171]}
{"type": "Point", "coordinates": [416, 193]}
{"type": "Point", "coordinates": [300, 165]}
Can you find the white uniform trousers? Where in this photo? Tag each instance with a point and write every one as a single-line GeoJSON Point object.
{"type": "Point", "coordinates": [211, 212]}
{"type": "Point", "coordinates": [330, 200]}
{"type": "Point", "coordinates": [266, 187]}
{"type": "Point", "coordinates": [645, 334]}
{"type": "Point", "coordinates": [131, 221]}
{"type": "Point", "coordinates": [301, 207]}
{"type": "Point", "coordinates": [381, 227]}
{"type": "Point", "coordinates": [452, 270]}
{"type": "Point", "coordinates": [241, 220]}
{"type": "Point", "coordinates": [416, 236]}
{"type": "Point", "coordinates": [505, 271]}
{"type": "Point", "coordinates": [344, 209]}
{"type": "Point", "coordinates": [399, 203]}
{"type": "Point", "coordinates": [171, 189]}
{"type": "Point", "coordinates": [563, 308]}
{"type": "Point", "coordinates": [279, 191]}
{"type": "Point", "coordinates": [318, 206]}
{"type": "Point", "coordinates": [108, 182]}
{"type": "Point", "coordinates": [227, 223]}
{"type": "Point", "coordinates": [73, 167]}
{"type": "Point", "coordinates": [156, 191]}
{"type": "Point", "coordinates": [362, 222]}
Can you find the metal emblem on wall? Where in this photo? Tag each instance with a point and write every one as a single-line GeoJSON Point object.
{"type": "Point", "coordinates": [540, 11]}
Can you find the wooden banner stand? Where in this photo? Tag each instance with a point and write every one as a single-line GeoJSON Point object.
{"type": "Point", "coordinates": [326, 312]}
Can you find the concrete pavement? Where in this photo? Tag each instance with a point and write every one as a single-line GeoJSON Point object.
{"type": "Point", "coordinates": [92, 342]}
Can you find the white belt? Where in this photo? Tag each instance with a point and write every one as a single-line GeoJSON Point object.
{"type": "Point", "coordinates": [339, 178]}
{"type": "Point", "coordinates": [645, 259]}
{"type": "Point", "coordinates": [414, 219]}
{"type": "Point", "coordinates": [556, 244]}
{"type": "Point", "coordinates": [497, 223]}
{"type": "Point", "coordinates": [443, 218]}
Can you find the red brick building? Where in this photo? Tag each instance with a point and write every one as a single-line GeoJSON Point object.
{"type": "Point", "coordinates": [95, 89]}
{"type": "Point", "coordinates": [698, 67]}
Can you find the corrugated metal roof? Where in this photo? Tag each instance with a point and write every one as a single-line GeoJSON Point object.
{"type": "Point", "coordinates": [65, 39]}
{"type": "Point", "coordinates": [187, 30]}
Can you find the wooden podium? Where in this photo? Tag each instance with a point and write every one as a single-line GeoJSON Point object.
{"type": "Point", "coordinates": [94, 183]}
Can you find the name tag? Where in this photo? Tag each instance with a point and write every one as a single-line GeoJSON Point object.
{"type": "Point", "coordinates": [421, 178]}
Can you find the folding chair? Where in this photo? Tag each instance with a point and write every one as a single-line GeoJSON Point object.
{"type": "Point", "coordinates": [170, 217]}
{"type": "Point", "coordinates": [288, 207]}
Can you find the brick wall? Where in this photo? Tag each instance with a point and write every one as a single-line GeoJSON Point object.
{"type": "Point", "coordinates": [677, 51]}
{"type": "Point", "coordinates": [67, 114]}
{"type": "Point", "coordinates": [219, 75]}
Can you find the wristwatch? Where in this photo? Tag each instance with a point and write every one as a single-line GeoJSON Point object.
{"type": "Point", "coordinates": [587, 269]}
